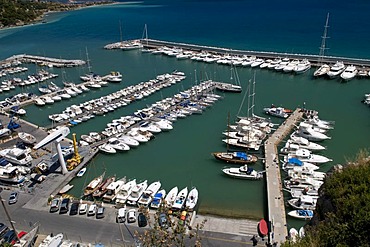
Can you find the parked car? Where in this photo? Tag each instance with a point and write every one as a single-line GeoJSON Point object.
{"type": "Point", "coordinates": [74, 208]}
{"type": "Point", "coordinates": [121, 215]}
{"type": "Point", "coordinates": [13, 198]}
{"type": "Point", "coordinates": [100, 212]}
{"type": "Point", "coordinates": [20, 235]}
{"type": "Point", "coordinates": [141, 220]}
{"type": "Point", "coordinates": [131, 216]}
{"type": "Point", "coordinates": [92, 210]}
{"type": "Point", "coordinates": [162, 220]}
{"type": "Point", "coordinates": [83, 208]}
{"type": "Point", "coordinates": [64, 206]}
{"type": "Point", "coordinates": [8, 237]}
{"type": "Point", "coordinates": [54, 206]}
{"type": "Point", "coordinates": [3, 229]}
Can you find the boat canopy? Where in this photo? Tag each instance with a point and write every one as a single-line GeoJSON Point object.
{"type": "Point", "coordinates": [295, 161]}
{"type": "Point", "coordinates": [241, 155]}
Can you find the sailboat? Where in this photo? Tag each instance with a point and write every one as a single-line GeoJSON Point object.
{"type": "Point", "coordinates": [145, 38]}
{"type": "Point", "coordinates": [230, 87]}
{"type": "Point", "coordinates": [239, 157]}
{"type": "Point", "coordinates": [324, 68]}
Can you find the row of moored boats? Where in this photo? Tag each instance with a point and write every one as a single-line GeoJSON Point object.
{"type": "Point", "coordinates": [133, 193]}
{"type": "Point", "coordinates": [301, 162]}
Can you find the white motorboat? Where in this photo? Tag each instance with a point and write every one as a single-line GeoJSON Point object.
{"type": "Point", "coordinates": [276, 111]}
{"type": "Point", "coordinates": [148, 126]}
{"type": "Point", "coordinates": [10, 174]}
{"type": "Point", "coordinates": [52, 241]}
{"type": "Point", "coordinates": [81, 172]}
{"type": "Point", "coordinates": [295, 162]}
{"type": "Point", "coordinates": [164, 124]}
{"type": "Point", "coordinates": [137, 136]}
{"type": "Point", "coordinates": [114, 76]}
{"type": "Point", "coordinates": [243, 172]}
{"type": "Point", "coordinates": [48, 100]}
{"type": "Point", "coordinates": [302, 66]}
{"type": "Point", "coordinates": [5, 132]}
{"type": "Point", "coordinates": [129, 140]}
{"type": "Point", "coordinates": [311, 134]}
{"type": "Point", "coordinates": [118, 145]}
{"type": "Point", "coordinates": [17, 156]}
{"type": "Point", "coordinates": [304, 143]}
{"type": "Point", "coordinates": [106, 148]}
{"type": "Point", "coordinates": [301, 214]}
{"type": "Point", "coordinates": [309, 191]}
{"type": "Point", "coordinates": [180, 199]}
{"type": "Point", "coordinates": [149, 193]}
{"type": "Point", "coordinates": [307, 125]}
{"type": "Point", "coordinates": [323, 124]}
{"type": "Point", "coordinates": [39, 102]}
{"type": "Point", "coordinates": [27, 138]}
{"type": "Point", "coordinates": [158, 198]}
{"type": "Point", "coordinates": [113, 189]}
{"type": "Point", "coordinates": [191, 199]}
{"type": "Point", "coordinates": [171, 196]}
{"type": "Point", "coordinates": [136, 192]}
{"type": "Point", "coordinates": [293, 234]}
{"type": "Point", "coordinates": [322, 70]}
{"type": "Point", "coordinates": [303, 202]}
{"type": "Point", "coordinates": [306, 156]}
{"type": "Point", "coordinates": [88, 139]}
{"type": "Point", "coordinates": [291, 146]}
{"type": "Point", "coordinates": [300, 171]}
{"type": "Point", "coordinates": [125, 191]}
{"type": "Point", "coordinates": [349, 73]}
{"type": "Point", "coordinates": [336, 69]}
{"type": "Point", "coordinates": [291, 66]}
{"type": "Point", "coordinates": [302, 183]}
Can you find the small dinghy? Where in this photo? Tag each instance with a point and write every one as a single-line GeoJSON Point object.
{"type": "Point", "coordinates": [81, 172]}
{"type": "Point", "coordinates": [66, 188]}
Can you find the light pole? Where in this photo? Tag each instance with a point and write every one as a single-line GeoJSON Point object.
{"type": "Point", "coordinates": [8, 215]}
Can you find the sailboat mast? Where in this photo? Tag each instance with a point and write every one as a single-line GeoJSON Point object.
{"type": "Point", "coordinates": [88, 60]}
{"type": "Point", "coordinates": [228, 132]}
{"type": "Point", "coordinates": [253, 93]}
{"type": "Point", "coordinates": [120, 32]}
{"type": "Point", "coordinates": [323, 41]}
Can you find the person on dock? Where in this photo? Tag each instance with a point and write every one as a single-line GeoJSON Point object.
{"type": "Point", "coordinates": [254, 240]}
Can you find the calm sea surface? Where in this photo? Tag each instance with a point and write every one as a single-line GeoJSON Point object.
{"type": "Point", "coordinates": [182, 157]}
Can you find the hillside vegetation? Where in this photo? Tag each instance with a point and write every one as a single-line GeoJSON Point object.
{"type": "Point", "coordinates": [342, 216]}
{"type": "Point", "coordinates": [21, 12]}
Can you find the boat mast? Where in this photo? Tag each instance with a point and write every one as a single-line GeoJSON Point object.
{"type": "Point", "coordinates": [228, 132]}
{"type": "Point", "coordinates": [120, 32]}
{"type": "Point", "coordinates": [253, 94]}
{"type": "Point", "coordinates": [88, 60]}
{"type": "Point", "coordinates": [323, 41]}
{"type": "Point", "coordinates": [145, 34]}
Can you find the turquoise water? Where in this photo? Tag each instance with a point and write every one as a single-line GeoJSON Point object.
{"type": "Point", "coordinates": [182, 157]}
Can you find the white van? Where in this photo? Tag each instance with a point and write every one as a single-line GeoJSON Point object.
{"type": "Point", "coordinates": [92, 210]}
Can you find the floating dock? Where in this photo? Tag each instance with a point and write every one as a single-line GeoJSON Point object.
{"type": "Point", "coordinates": [275, 199]}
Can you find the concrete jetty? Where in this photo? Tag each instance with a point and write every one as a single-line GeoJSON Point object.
{"type": "Point", "coordinates": [276, 208]}
{"type": "Point", "coordinates": [315, 60]}
{"type": "Point", "coordinates": [51, 62]}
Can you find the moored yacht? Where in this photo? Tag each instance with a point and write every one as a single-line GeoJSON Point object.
{"type": "Point", "coordinates": [349, 73]}
{"type": "Point", "coordinates": [243, 172]}
{"type": "Point", "coordinates": [136, 192]}
{"type": "Point", "coordinates": [180, 199]}
{"type": "Point", "coordinates": [336, 69]}
{"type": "Point", "coordinates": [306, 156]}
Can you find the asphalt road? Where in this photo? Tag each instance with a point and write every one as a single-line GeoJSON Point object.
{"type": "Point", "coordinates": [80, 228]}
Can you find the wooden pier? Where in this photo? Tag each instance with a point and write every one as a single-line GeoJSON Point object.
{"type": "Point", "coordinates": [276, 208]}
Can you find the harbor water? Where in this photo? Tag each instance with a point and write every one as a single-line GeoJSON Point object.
{"type": "Point", "coordinates": [182, 157]}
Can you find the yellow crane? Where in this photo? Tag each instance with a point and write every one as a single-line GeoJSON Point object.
{"type": "Point", "coordinates": [76, 159]}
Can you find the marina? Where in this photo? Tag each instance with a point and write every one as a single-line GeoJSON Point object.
{"type": "Point", "coordinates": [181, 156]}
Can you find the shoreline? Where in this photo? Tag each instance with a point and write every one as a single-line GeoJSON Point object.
{"type": "Point", "coordinates": [41, 19]}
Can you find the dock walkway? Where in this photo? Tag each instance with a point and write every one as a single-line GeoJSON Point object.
{"type": "Point", "coordinates": [276, 208]}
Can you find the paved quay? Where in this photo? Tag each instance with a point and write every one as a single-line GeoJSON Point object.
{"type": "Point", "coordinates": [33, 204]}
{"type": "Point", "coordinates": [275, 199]}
